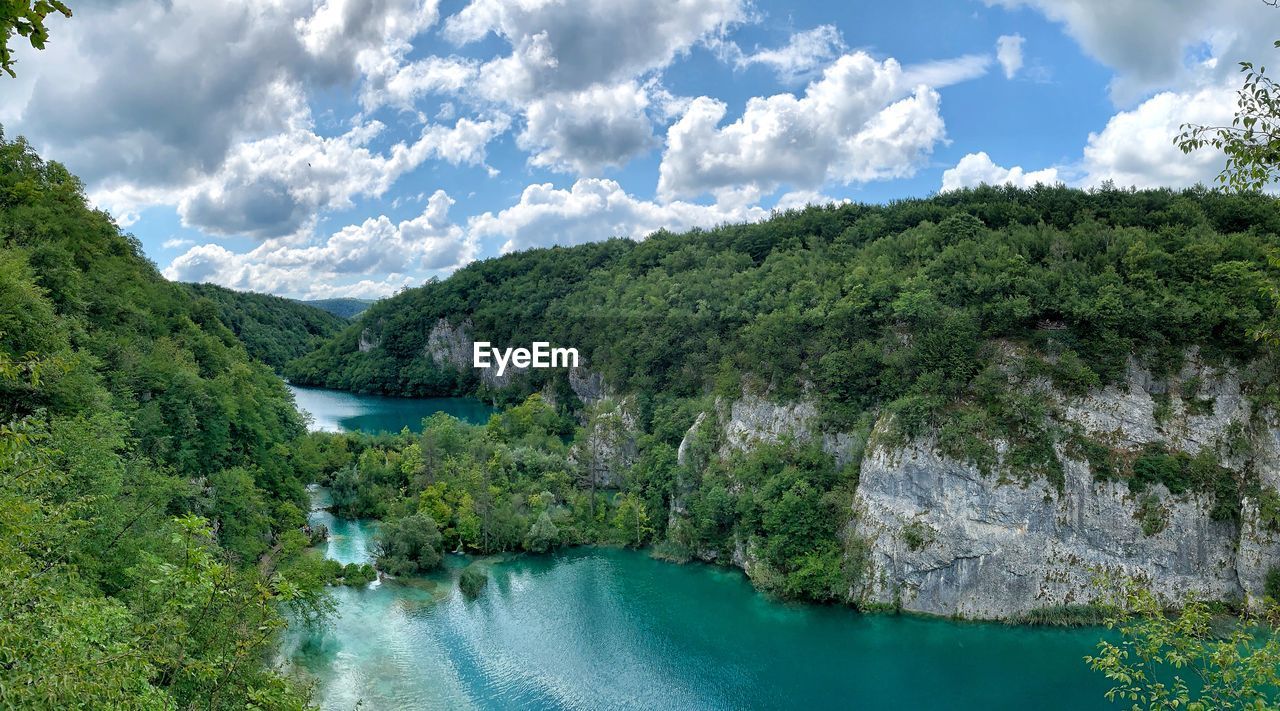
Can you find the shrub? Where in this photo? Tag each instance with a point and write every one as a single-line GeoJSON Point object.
{"type": "Point", "coordinates": [408, 545]}
{"type": "Point", "coordinates": [1271, 583]}
{"type": "Point", "coordinates": [1151, 515]}
{"type": "Point", "coordinates": [918, 535]}
{"type": "Point", "coordinates": [472, 581]}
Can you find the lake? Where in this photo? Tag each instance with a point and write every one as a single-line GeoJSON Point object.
{"type": "Point", "coordinates": [604, 628]}
{"type": "Point", "coordinates": [341, 411]}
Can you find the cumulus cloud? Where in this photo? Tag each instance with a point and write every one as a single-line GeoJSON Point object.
{"type": "Point", "coordinates": [392, 252]}
{"type": "Point", "coordinates": [594, 209]}
{"type": "Point", "coordinates": [401, 85]}
{"type": "Point", "coordinates": [275, 186]}
{"type": "Point", "coordinates": [569, 46]}
{"type": "Point", "coordinates": [216, 73]}
{"type": "Point", "coordinates": [1136, 147]}
{"type": "Point", "coordinates": [1155, 44]}
{"type": "Point", "coordinates": [579, 72]}
{"type": "Point", "coordinates": [226, 87]}
{"type": "Point", "coordinates": [978, 169]}
{"type": "Point", "coordinates": [1009, 54]}
{"type": "Point", "coordinates": [588, 130]}
{"type": "Point", "coordinates": [862, 120]}
{"type": "Point", "coordinates": [805, 53]}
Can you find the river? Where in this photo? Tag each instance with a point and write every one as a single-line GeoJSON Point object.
{"type": "Point", "coordinates": [605, 628]}
{"type": "Point", "coordinates": [341, 411]}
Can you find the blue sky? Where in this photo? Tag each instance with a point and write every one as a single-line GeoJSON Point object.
{"type": "Point", "coordinates": [316, 148]}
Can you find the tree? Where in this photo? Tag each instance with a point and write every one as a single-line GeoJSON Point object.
{"type": "Point", "coordinates": [25, 18]}
{"type": "Point", "coordinates": [1149, 666]}
{"type": "Point", "coordinates": [1252, 141]}
{"type": "Point", "coordinates": [408, 545]}
{"type": "Point", "coordinates": [543, 534]}
{"type": "Point", "coordinates": [631, 520]}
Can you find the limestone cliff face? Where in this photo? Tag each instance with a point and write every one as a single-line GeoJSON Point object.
{"type": "Point", "coordinates": [947, 538]}
{"type": "Point", "coordinates": [609, 448]}
{"type": "Point", "coordinates": [453, 347]}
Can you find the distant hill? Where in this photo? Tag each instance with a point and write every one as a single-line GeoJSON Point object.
{"type": "Point", "coordinates": [346, 308]}
{"type": "Point", "coordinates": [274, 330]}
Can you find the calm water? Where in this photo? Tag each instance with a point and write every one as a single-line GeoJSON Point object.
{"type": "Point", "coordinates": [340, 411]}
{"type": "Point", "coordinates": [602, 628]}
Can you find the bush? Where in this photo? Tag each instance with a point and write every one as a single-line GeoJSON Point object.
{"type": "Point", "coordinates": [472, 581]}
{"type": "Point", "coordinates": [1151, 515]}
{"type": "Point", "coordinates": [918, 535]}
{"type": "Point", "coordinates": [408, 545]}
{"type": "Point", "coordinates": [1271, 584]}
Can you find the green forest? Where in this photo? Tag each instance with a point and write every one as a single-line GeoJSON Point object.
{"type": "Point", "coordinates": [909, 309]}
{"type": "Point", "coordinates": [151, 505]}
{"type": "Point", "coordinates": [273, 330]}
{"type": "Point", "coordinates": [877, 305]}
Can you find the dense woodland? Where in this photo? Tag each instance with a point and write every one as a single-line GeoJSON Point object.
{"type": "Point", "coordinates": [346, 308]}
{"type": "Point", "coordinates": [274, 330]}
{"type": "Point", "coordinates": [151, 507]}
{"type": "Point", "coordinates": [933, 311]}
{"type": "Point", "coordinates": [874, 304]}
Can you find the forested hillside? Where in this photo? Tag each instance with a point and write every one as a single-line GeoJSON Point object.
{"type": "Point", "coordinates": [964, 322]}
{"type": "Point", "coordinates": [346, 308]}
{"type": "Point", "coordinates": [874, 304]}
{"type": "Point", "coordinates": [151, 506]}
{"type": "Point", "coordinates": [274, 330]}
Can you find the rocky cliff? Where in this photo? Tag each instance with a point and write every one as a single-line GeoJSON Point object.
{"type": "Point", "coordinates": [950, 537]}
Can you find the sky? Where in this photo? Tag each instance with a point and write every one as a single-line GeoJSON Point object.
{"type": "Point", "coordinates": [328, 148]}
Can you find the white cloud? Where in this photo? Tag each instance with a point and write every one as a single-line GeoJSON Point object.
{"type": "Point", "coordinates": [1136, 147]}
{"type": "Point", "coordinates": [581, 72]}
{"type": "Point", "coordinates": [862, 120]}
{"type": "Point", "coordinates": [805, 53]}
{"type": "Point", "coordinates": [275, 186]}
{"type": "Point", "coordinates": [402, 85]}
{"type": "Point", "coordinates": [1155, 44]}
{"type": "Point", "coordinates": [429, 242]}
{"type": "Point", "coordinates": [1009, 54]}
{"type": "Point", "coordinates": [800, 199]}
{"type": "Point", "coordinates": [588, 130]}
{"type": "Point", "coordinates": [591, 210]}
{"type": "Point", "coordinates": [177, 243]}
{"type": "Point", "coordinates": [978, 169]}
{"type": "Point", "coordinates": [569, 46]}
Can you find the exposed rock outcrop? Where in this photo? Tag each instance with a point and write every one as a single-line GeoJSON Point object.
{"type": "Point", "coordinates": [947, 538]}
{"type": "Point", "coordinates": [609, 447]}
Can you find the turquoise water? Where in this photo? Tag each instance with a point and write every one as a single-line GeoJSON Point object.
{"type": "Point", "coordinates": [340, 411]}
{"type": "Point", "coordinates": [602, 628]}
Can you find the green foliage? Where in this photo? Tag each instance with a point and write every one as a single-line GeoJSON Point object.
{"type": "Point", "coordinates": [346, 308]}
{"type": "Point", "coordinates": [273, 330]}
{"type": "Point", "coordinates": [918, 535]}
{"type": "Point", "coordinates": [472, 580]}
{"type": "Point", "coordinates": [879, 306]}
{"type": "Point", "coordinates": [1271, 583]}
{"type": "Point", "coordinates": [25, 18]}
{"type": "Point", "coordinates": [1149, 665]}
{"type": "Point", "coordinates": [150, 513]}
{"type": "Point", "coordinates": [1269, 509]}
{"type": "Point", "coordinates": [408, 545]}
{"type": "Point", "coordinates": [1062, 616]}
{"type": "Point", "coordinates": [1180, 473]}
{"type": "Point", "coordinates": [1151, 514]}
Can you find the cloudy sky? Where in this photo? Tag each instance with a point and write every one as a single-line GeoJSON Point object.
{"type": "Point", "coordinates": [317, 148]}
